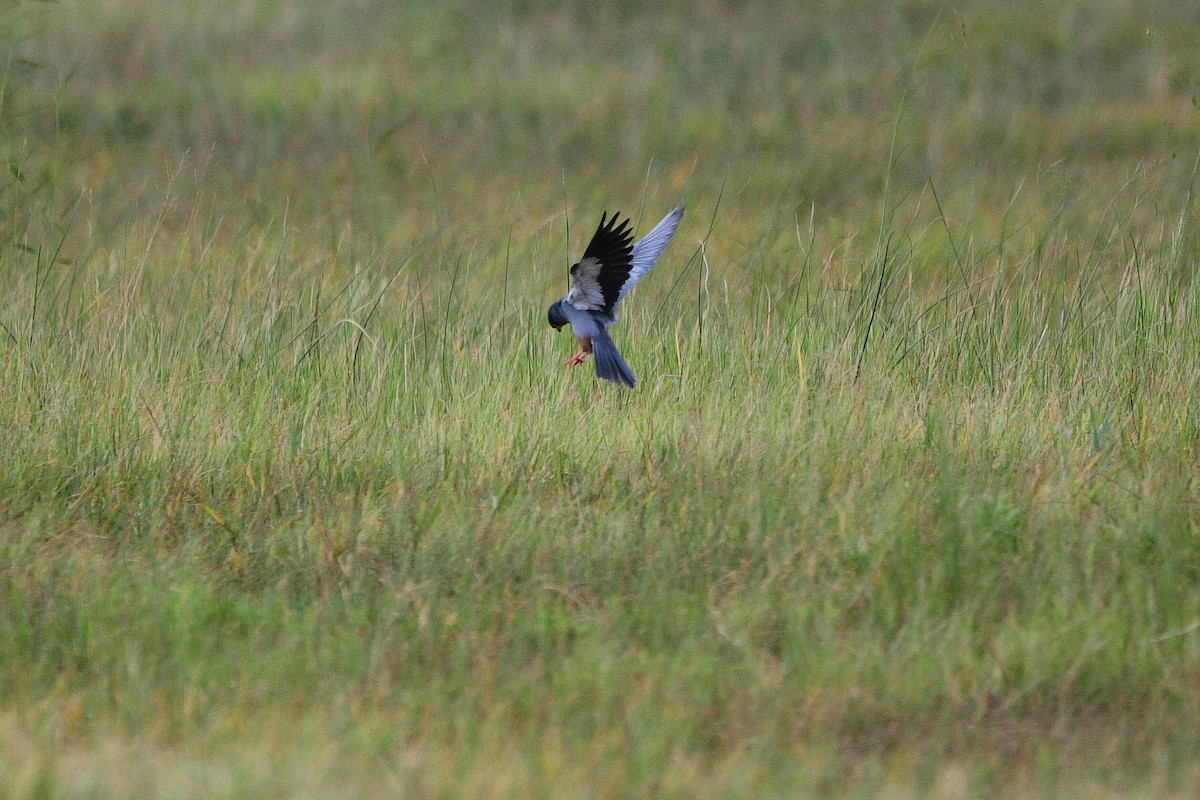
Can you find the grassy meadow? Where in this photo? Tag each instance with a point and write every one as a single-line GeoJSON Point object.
{"type": "Point", "coordinates": [298, 500]}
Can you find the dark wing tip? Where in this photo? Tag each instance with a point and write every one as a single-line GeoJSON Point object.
{"type": "Point", "coordinates": [614, 225]}
{"type": "Point", "coordinates": [612, 247]}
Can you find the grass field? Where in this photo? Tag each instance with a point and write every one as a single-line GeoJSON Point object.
{"type": "Point", "coordinates": [298, 500]}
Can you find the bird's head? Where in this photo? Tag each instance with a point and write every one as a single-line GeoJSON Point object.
{"type": "Point", "coordinates": [555, 316]}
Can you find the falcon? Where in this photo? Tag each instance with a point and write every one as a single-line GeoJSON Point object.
{"type": "Point", "coordinates": [611, 265]}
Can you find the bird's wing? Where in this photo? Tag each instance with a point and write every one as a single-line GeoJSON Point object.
{"type": "Point", "coordinates": [597, 279]}
{"type": "Point", "coordinates": [649, 248]}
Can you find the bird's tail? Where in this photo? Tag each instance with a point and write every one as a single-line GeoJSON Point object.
{"type": "Point", "coordinates": [609, 364]}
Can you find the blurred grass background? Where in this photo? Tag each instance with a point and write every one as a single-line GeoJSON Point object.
{"type": "Point", "coordinates": [362, 104]}
{"type": "Point", "coordinates": [297, 499]}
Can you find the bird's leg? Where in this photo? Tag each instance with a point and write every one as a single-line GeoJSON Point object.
{"type": "Point", "coordinates": [585, 349]}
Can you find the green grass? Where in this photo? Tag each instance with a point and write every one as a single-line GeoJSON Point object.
{"type": "Point", "coordinates": [296, 498]}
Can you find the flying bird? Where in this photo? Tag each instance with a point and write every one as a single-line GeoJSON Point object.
{"type": "Point", "coordinates": [610, 267]}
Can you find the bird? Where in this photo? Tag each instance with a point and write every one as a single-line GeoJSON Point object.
{"type": "Point", "coordinates": [611, 265]}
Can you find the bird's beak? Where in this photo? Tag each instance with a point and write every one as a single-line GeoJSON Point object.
{"type": "Point", "coordinates": [557, 328]}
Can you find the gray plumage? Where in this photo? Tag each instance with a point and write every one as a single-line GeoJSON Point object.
{"type": "Point", "coordinates": [610, 267]}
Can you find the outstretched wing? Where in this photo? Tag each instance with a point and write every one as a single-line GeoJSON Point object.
{"type": "Point", "coordinates": [598, 278]}
{"type": "Point", "coordinates": [649, 248]}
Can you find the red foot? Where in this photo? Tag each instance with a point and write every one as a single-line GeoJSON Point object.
{"type": "Point", "coordinates": [575, 360]}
